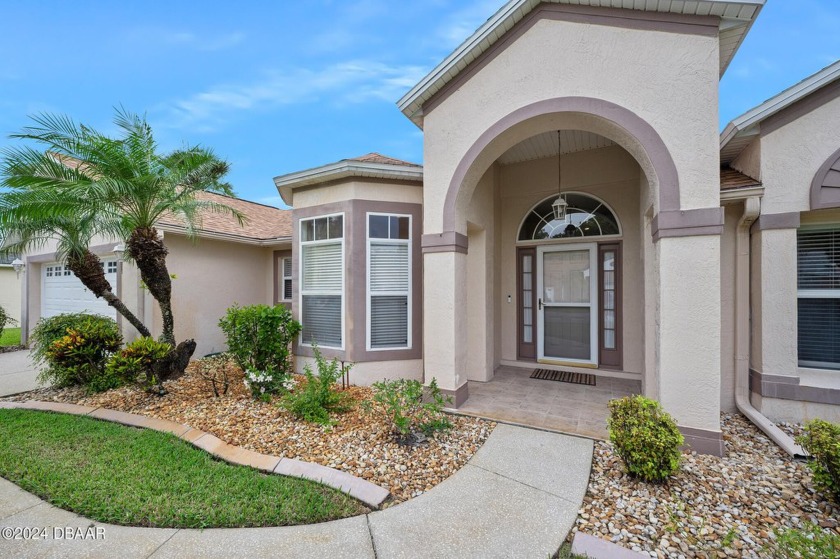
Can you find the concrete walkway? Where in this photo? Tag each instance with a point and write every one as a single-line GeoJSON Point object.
{"type": "Point", "coordinates": [517, 497]}
{"type": "Point", "coordinates": [17, 373]}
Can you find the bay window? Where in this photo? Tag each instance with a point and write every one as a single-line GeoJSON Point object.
{"type": "Point", "coordinates": [322, 281]}
{"type": "Point", "coordinates": [389, 281]}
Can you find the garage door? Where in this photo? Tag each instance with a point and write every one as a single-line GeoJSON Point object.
{"type": "Point", "coordinates": [64, 293]}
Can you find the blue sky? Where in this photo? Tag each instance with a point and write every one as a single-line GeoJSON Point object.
{"type": "Point", "coordinates": [282, 86]}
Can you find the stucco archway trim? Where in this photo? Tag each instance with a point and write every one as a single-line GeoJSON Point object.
{"type": "Point", "coordinates": [648, 139]}
{"type": "Point", "coordinates": [825, 189]}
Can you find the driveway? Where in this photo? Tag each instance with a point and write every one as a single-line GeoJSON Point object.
{"type": "Point", "coordinates": [17, 374]}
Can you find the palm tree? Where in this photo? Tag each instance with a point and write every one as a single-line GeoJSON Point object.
{"type": "Point", "coordinates": [127, 186]}
{"type": "Point", "coordinates": [32, 217]}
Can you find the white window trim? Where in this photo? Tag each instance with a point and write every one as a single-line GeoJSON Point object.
{"type": "Point", "coordinates": [341, 293]}
{"type": "Point", "coordinates": [283, 278]}
{"type": "Point", "coordinates": [814, 294]}
{"type": "Point", "coordinates": [408, 294]}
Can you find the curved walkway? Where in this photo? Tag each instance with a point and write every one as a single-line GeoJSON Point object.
{"type": "Point", "coordinates": [517, 497]}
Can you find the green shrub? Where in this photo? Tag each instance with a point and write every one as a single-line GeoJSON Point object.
{"type": "Point", "coordinates": [75, 348]}
{"type": "Point", "coordinates": [822, 441]}
{"type": "Point", "coordinates": [319, 396]}
{"type": "Point", "coordinates": [259, 337]}
{"type": "Point", "coordinates": [409, 408]}
{"type": "Point", "coordinates": [134, 363]}
{"type": "Point", "coordinates": [811, 542]}
{"type": "Point", "coordinates": [5, 320]}
{"type": "Point", "coordinates": [645, 437]}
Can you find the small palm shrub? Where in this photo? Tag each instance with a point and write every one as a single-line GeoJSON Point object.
{"type": "Point", "coordinates": [409, 408]}
{"type": "Point", "coordinates": [135, 363]}
{"type": "Point", "coordinates": [319, 396]}
{"type": "Point", "coordinates": [75, 348]}
{"type": "Point", "coordinates": [822, 441]}
{"type": "Point", "coordinates": [645, 437]}
{"type": "Point", "coordinates": [5, 320]}
{"type": "Point", "coordinates": [259, 338]}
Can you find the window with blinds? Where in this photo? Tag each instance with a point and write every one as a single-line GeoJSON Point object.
{"type": "Point", "coordinates": [389, 282]}
{"type": "Point", "coordinates": [818, 275]}
{"type": "Point", "coordinates": [286, 279]}
{"type": "Point", "coordinates": [321, 281]}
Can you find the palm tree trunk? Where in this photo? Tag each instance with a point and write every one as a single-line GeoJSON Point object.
{"type": "Point", "coordinates": [88, 268]}
{"type": "Point", "coordinates": [149, 252]}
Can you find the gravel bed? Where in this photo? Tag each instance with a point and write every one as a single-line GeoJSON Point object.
{"type": "Point", "coordinates": [792, 429]}
{"type": "Point", "coordinates": [714, 507]}
{"type": "Point", "coordinates": [359, 444]}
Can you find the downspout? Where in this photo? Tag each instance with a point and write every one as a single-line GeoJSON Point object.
{"type": "Point", "coordinates": [752, 208]}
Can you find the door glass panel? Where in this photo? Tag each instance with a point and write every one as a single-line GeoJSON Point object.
{"type": "Point", "coordinates": [609, 311]}
{"type": "Point", "coordinates": [566, 277]}
{"type": "Point", "coordinates": [567, 333]}
{"type": "Point", "coordinates": [609, 339]}
{"type": "Point", "coordinates": [527, 334]}
{"type": "Point", "coordinates": [609, 320]}
{"type": "Point", "coordinates": [609, 300]}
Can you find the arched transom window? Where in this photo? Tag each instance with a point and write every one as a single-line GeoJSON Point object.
{"type": "Point", "coordinates": [585, 217]}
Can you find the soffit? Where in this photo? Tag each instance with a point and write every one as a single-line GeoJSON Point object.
{"type": "Point", "coordinates": [546, 145]}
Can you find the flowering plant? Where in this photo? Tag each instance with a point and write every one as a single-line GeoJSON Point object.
{"type": "Point", "coordinates": [263, 384]}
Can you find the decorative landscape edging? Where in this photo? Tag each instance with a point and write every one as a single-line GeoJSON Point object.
{"type": "Point", "coordinates": [369, 493]}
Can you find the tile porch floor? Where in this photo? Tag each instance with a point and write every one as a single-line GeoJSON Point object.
{"type": "Point", "coordinates": [569, 408]}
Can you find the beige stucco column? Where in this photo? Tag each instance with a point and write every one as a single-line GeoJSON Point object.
{"type": "Point", "coordinates": [774, 301]}
{"type": "Point", "coordinates": [444, 313]}
{"type": "Point", "coordinates": [687, 323]}
{"type": "Point", "coordinates": [689, 336]}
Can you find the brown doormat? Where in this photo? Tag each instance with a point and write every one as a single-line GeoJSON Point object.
{"type": "Point", "coordinates": [564, 376]}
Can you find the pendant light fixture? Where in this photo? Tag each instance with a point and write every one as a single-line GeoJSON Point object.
{"type": "Point", "coordinates": [560, 205]}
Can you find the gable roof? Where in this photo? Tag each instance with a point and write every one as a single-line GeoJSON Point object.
{"type": "Point", "coordinates": [740, 132]}
{"type": "Point", "coordinates": [373, 165]}
{"type": "Point", "coordinates": [263, 223]}
{"type": "Point", "coordinates": [736, 19]}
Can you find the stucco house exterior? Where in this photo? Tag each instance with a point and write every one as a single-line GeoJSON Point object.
{"type": "Point", "coordinates": [703, 266]}
{"type": "Point", "coordinates": [226, 264]}
{"type": "Point", "coordinates": [577, 210]}
{"type": "Point", "coordinates": [10, 288]}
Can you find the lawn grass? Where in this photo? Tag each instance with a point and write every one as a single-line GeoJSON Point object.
{"type": "Point", "coordinates": [138, 477]}
{"type": "Point", "coordinates": [9, 337]}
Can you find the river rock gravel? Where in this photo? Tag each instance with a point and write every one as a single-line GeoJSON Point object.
{"type": "Point", "coordinates": [359, 443]}
{"type": "Point", "coordinates": [714, 507]}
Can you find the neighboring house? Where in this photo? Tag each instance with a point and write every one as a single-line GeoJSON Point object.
{"type": "Point", "coordinates": [227, 263]}
{"type": "Point", "coordinates": [673, 236]}
{"type": "Point", "coordinates": [10, 288]}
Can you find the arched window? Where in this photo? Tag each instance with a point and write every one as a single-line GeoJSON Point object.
{"type": "Point", "coordinates": [586, 217]}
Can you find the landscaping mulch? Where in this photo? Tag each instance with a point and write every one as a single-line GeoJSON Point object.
{"type": "Point", "coordinates": [714, 507]}
{"type": "Point", "coordinates": [359, 443]}
{"type": "Point", "coordinates": [11, 348]}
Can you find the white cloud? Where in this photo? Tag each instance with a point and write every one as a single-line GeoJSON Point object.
{"type": "Point", "coordinates": [346, 82]}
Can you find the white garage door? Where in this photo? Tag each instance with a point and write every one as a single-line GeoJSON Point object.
{"type": "Point", "coordinates": [64, 293]}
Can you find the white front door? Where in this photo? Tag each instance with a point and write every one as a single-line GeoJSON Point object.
{"type": "Point", "coordinates": [63, 292]}
{"type": "Point", "coordinates": [567, 287]}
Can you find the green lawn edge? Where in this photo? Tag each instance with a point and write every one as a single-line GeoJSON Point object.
{"type": "Point", "coordinates": [138, 477]}
{"type": "Point", "coordinates": [10, 337]}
